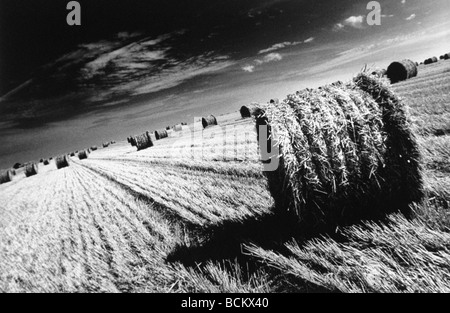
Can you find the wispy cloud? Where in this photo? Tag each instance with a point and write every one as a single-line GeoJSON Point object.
{"type": "Point", "coordinates": [283, 45]}
{"type": "Point", "coordinates": [248, 68]}
{"type": "Point", "coordinates": [271, 57]}
{"type": "Point", "coordinates": [411, 17]}
{"type": "Point", "coordinates": [403, 1]}
{"type": "Point", "coordinates": [355, 21]}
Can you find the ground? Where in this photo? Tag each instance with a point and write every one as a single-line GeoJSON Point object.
{"type": "Point", "coordinates": [193, 213]}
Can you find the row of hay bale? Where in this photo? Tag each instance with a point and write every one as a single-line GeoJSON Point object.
{"type": "Point", "coordinates": [430, 60]}
{"type": "Point", "coordinates": [345, 152]}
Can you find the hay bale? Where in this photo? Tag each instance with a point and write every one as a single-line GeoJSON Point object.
{"type": "Point", "coordinates": [16, 166]}
{"type": "Point", "coordinates": [209, 121]}
{"type": "Point", "coordinates": [434, 59]}
{"type": "Point", "coordinates": [46, 162]}
{"type": "Point", "coordinates": [105, 144]}
{"type": "Point", "coordinates": [31, 169]}
{"type": "Point", "coordinates": [446, 56]}
{"type": "Point", "coordinates": [83, 154]}
{"type": "Point", "coordinates": [441, 57]}
{"type": "Point", "coordinates": [112, 142]}
{"type": "Point", "coordinates": [247, 111]}
{"type": "Point", "coordinates": [143, 141]}
{"type": "Point", "coordinates": [161, 134]}
{"type": "Point", "coordinates": [346, 153]}
{"type": "Point", "coordinates": [178, 128]}
{"type": "Point", "coordinates": [62, 161]}
{"type": "Point", "coordinates": [94, 148]}
{"type": "Point", "coordinates": [72, 154]}
{"type": "Point", "coordinates": [400, 71]}
{"type": "Point", "coordinates": [6, 177]}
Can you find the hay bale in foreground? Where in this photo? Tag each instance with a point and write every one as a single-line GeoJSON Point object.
{"type": "Point", "coordinates": [400, 71]}
{"type": "Point", "coordinates": [161, 134]}
{"type": "Point", "coordinates": [209, 121]}
{"type": "Point", "coordinates": [143, 141]}
{"type": "Point", "coordinates": [346, 153]}
{"type": "Point", "coordinates": [31, 169]}
{"type": "Point", "coordinates": [83, 155]}
{"type": "Point", "coordinates": [247, 111]}
{"type": "Point", "coordinates": [6, 177]}
{"type": "Point", "coordinates": [62, 161]}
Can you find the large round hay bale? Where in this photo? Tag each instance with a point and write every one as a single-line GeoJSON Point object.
{"type": "Point", "coordinates": [345, 152]}
{"type": "Point", "coordinates": [178, 128]}
{"type": "Point", "coordinates": [441, 57]}
{"type": "Point", "coordinates": [428, 61]}
{"type": "Point", "coordinates": [209, 121]}
{"type": "Point", "coordinates": [400, 71]}
{"type": "Point", "coordinates": [446, 56]}
{"type": "Point", "coordinates": [161, 134]}
{"type": "Point", "coordinates": [62, 161]}
{"type": "Point", "coordinates": [83, 154]}
{"type": "Point", "coordinates": [31, 169]}
{"type": "Point", "coordinates": [434, 59]}
{"type": "Point", "coordinates": [6, 177]}
{"type": "Point", "coordinates": [143, 141]}
{"type": "Point", "coordinates": [247, 110]}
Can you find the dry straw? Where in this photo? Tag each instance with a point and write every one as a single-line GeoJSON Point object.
{"type": "Point", "coordinates": [346, 152]}
{"type": "Point", "coordinates": [6, 177]}
{"type": "Point", "coordinates": [31, 169]}
{"type": "Point", "coordinates": [400, 71]}
{"type": "Point", "coordinates": [143, 141]}
{"type": "Point", "coordinates": [62, 161]}
{"type": "Point", "coordinates": [209, 121]}
{"type": "Point", "coordinates": [83, 154]}
{"type": "Point", "coordinates": [161, 134]}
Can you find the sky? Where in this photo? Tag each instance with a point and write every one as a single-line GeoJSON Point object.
{"type": "Point", "coordinates": [140, 65]}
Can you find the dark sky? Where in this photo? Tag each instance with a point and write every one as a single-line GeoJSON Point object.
{"type": "Point", "coordinates": [138, 62]}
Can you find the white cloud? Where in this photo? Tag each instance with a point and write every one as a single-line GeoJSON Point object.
{"type": "Point", "coordinates": [355, 21]}
{"type": "Point", "coordinates": [403, 1]}
{"type": "Point", "coordinates": [249, 68]}
{"type": "Point", "coordinates": [271, 57]}
{"type": "Point", "coordinates": [411, 17]}
{"type": "Point", "coordinates": [279, 46]}
{"type": "Point", "coordinates": [310, 39]}
{"type": "Point", "coordinates": [337, 27]}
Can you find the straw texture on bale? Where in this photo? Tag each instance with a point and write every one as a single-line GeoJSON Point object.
{"type": "Point", "coordinates": [345, 152]}
{"type": "Point", "coordinates": [400, 71]}
{"type": "Point", "coordinates": [209, 121]}
{"type": "Point", "coordinates": [160, 134]}
{"type": "Point", "coordinates": [178, 128]}
{"type": "Point", "coordinates": [143, 141]}
{"type": "Point", "coordinates": [83, 154]}
{"type": "Point", "coordinates": [31, 169]}
{"type": "Point", "coordinates": [6, 177]}
{"type": "Point", "coordinates": [62, 161]}
{"type": "Point", "coordinates": [247, 110]}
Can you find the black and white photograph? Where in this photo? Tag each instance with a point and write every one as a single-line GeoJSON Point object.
{"type": "Point", "coordinates": [224, 151]}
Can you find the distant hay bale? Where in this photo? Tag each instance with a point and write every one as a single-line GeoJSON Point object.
{"type": "Point", "coordinates": [83, 154]}
{"type": "Point", "coordinates": [31, 169]}
{"type": "Point", "coordinates": [16, 166]}
{"type": "Point", "coordinates": [143, 141]}
{"type": "Point", "coordinates": [345, 152]}
{"type": "Point", "coordinates": [62, 161]}
{"type": "Point", "coordinates": [6, 177]}
{"type": "Point", "coordinates": [94, 148]}
{"type": "Point", "coordinates": [441, 57]}
{"type": "Point", "coordinates": [178, 128]}
{"type": "Point", "coordinates": [46, 162]}
{"type": "Point", "coordinates": [247, 110]}
{"type": "Point", "coordinates": [431, 60]}
{"type": "Point", "coordinates": [105, 144]}
{"type": "Point", "coordinates": [41, 160]}
{"type": "Point", "coordinates": [434, 59]}
{"type": "Point", "coordinates": [72, 154]}
{"type": "Point", "coordinates": [133, 141]}
{"type": "Point", "coordinates": [209, 121]}
{"type": "Point", "coordinates": [400, 71]}
{"type": "Point", "coordinates": [161, 134]}
{"type": "Point", "coordinates": [446, 56]}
